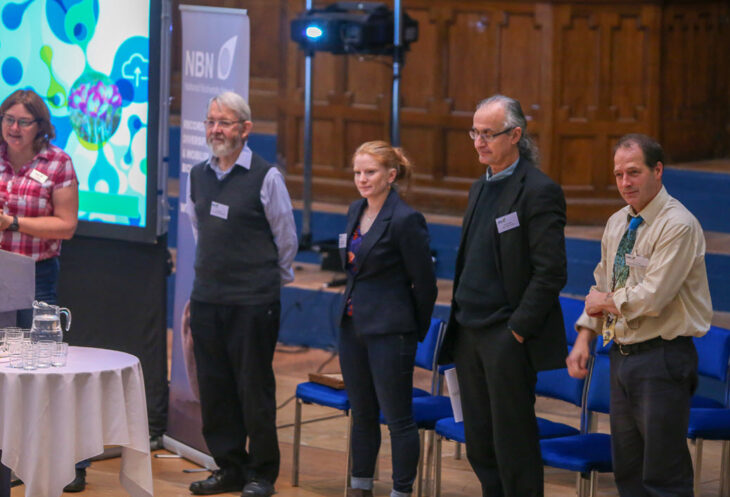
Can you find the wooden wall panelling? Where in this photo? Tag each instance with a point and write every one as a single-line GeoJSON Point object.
{"type": "Point", "coordinates": [577, 88]}
{"type": "Point", "coordinates": [467, 51]}
{"type": "Point", "coordinates": [607, 85]}
{"type": "Point", "coordinates": [265, 17]}
{"type": "Point", "coordinates": [585, 72]}
{"type": "Point", "coordinates": [695, 80]}
{"type": "Point", "coordinates": [722, 148]}
{"type": "Point", "coordinates": [546, 48]}
{"type": "Point", "coordinates": [422, 94]}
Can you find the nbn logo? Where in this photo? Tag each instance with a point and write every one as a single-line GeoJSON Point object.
{"type": "Point", "coordinates": [200, 64]}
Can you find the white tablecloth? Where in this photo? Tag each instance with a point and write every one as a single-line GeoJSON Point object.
{"type": "Point", "coordinates": [54, 417]}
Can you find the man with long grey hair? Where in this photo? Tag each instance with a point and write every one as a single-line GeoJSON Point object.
{"type": "Point", "coordinates": [506, 323]}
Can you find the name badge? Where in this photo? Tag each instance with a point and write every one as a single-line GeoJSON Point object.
{"type": "Point", "coordinates": [219, 210]}
{"type": "Point", "coordinates": [342, 241]}
{"type": "Point", "coordinates": [633, 260]}
{"type": "Point", "coordinates": [38, 176]}
{"type": "Point", "coordinates": [508, 222]}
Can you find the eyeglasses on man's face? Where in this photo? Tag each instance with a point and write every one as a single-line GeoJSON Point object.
{"type": "Point", "coordinates": [210, 123]}
{"type": "Point", "coordinates": [22, 122]}
{"type": "Point", "coordinates": [488, 137]}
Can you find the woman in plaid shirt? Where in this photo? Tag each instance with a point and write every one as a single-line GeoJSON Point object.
{"type": "Point", "coordinates": [39, 196]}
{"type": "Point", "coordinates": [39, 199]}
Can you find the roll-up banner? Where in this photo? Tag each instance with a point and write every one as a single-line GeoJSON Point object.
{"type": "Point", "coordinates": [215, 52]}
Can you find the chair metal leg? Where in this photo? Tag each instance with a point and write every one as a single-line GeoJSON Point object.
{"type": "Point", "coordinates": [428, 474]}
{"type": "Point", "coordinates": [594, 483]}
{"type": "Point", "coordinates": [584, 484]}
{"type": "Point", "coordinates": [418, 487]}
{"type": "Point", "coordinates": [348, 462]}
{"type": "Point", "coordinates": [698, 465]}
{"type": "Point", "coordinates": [297, 442]}
{"type": "Point", "coordinates": [725, 470]}
{"type": "Point", "coordinates": [437, 468]}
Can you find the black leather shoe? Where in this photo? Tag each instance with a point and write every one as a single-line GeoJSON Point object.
{"type": "Point", "coordinates": [79, 483]}
{"type": "Point", "coordinates": [258, 488]}
{"type": "Point", "coordinates": [218, 482]}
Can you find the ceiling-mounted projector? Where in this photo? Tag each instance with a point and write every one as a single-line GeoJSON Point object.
{"type": "Point", "coordinates": [351, 27]}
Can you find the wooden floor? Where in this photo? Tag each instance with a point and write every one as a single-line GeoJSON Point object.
{"type": "Point", "coordinates": [323, 457]}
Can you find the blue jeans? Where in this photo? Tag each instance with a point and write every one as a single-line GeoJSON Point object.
{"type": "Point", "coordinates": [378, 374]}
{"type": "Point", "coordinates": [46, 280]}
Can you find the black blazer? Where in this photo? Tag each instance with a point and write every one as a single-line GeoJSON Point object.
{"type": "Point", "coordinates": [394, 289]}
{"type": "Point", "coordinates": [530, 261]}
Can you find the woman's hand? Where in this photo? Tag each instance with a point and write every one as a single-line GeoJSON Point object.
{"type": "Point", "coordinates": [5, 221]}
{"type": "Point", "coordinates": [62, 223]}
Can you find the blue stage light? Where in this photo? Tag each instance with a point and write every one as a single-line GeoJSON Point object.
{"type": "Point", "coordinates": [314, 32]}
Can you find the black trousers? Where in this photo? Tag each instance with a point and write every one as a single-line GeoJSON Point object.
{"type": "Point", "coordinates": [234, 348]}
{"type": "Point", "coordinates": [497, 384]}
{"type": "Point", "coordinates": [650, 401]}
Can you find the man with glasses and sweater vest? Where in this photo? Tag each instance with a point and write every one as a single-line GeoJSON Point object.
{"type": "Point", "coordinates": [246, 241]}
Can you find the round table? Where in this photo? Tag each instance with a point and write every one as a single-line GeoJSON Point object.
{"type": "Point", "coordinates": [52, 418]}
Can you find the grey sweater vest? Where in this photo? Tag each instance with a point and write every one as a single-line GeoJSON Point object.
{"type": "Point", "coordinates": [236, 260]}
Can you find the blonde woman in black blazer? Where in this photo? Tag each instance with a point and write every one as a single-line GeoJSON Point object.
{"type": "Point", "coordinates": [386, 310]}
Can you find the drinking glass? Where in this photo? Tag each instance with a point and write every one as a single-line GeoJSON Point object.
{"type": "Point", "coordinates": [59, 354]}
{"type": "Point", "coordinates": [14, 350]}
{"type": "Point", "coordinates": [30, 355]}
{"type": "Point", "coordinates": [45, 350]}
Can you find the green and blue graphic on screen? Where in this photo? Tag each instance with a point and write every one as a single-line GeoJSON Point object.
{"type": "Point", "coordinates": [89, 59]}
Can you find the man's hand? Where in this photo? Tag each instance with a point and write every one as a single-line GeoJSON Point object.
{"type": "Point", "coordinates": [599, 302]}
{"type": "Point", "coordinates": [577, 360]}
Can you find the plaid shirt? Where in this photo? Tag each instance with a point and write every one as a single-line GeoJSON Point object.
{"type": "Point", "coordinates": [22, 194]}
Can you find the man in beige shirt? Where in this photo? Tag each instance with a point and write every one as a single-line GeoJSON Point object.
{"type": "Point", "coordinates": [651, 296]}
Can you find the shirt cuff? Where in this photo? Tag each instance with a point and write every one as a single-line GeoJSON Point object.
{"type": "Point", "coordinates": [621, 297]}
{"type": "Point", "coordinates": [287, 275]}
{"type": "Point", "coordinates": [591, 323]}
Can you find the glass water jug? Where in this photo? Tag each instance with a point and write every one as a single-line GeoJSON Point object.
{"type": "Point", "coordinates": [47, 322]}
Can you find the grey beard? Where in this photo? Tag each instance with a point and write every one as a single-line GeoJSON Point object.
{"type": "Point", "coordinates": [223, 149]}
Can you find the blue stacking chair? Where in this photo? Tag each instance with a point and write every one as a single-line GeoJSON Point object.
{"type": "Point", "coordinates": [713, 352]}
{"type": "Point", "coordinates": [710, 424]}
{"type": "Point", "coordinates": [587, 453]}
{"type": "Point", "coordinates": [317, 394]}
{"type": "Point", "coordinates": [711, 421]}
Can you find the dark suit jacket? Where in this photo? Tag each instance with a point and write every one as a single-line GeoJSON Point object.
{"type": "Point", "coordinates": [531, 263]}
{"type": "Point", "coordinates": [394, 289]}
